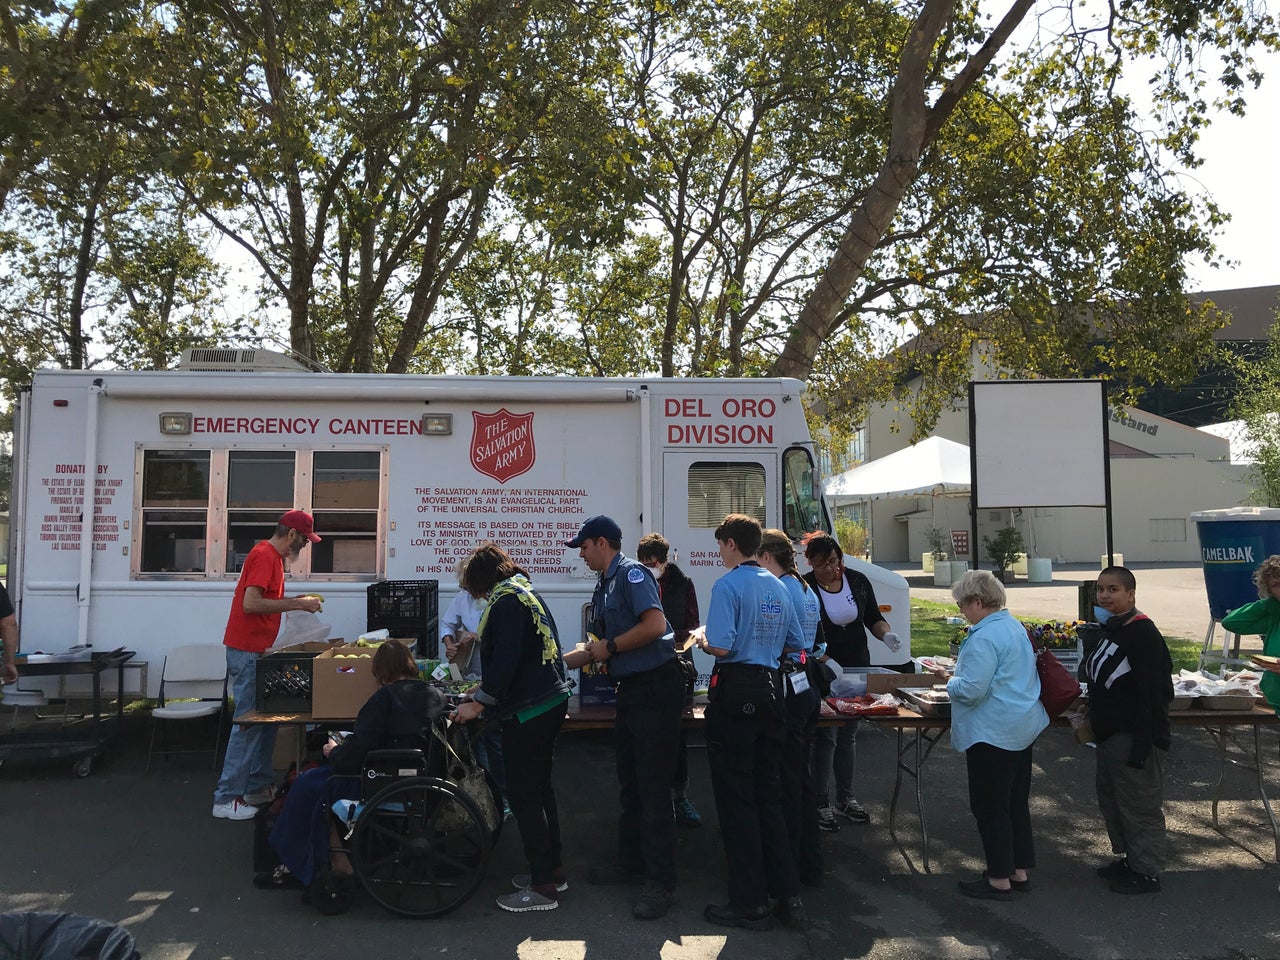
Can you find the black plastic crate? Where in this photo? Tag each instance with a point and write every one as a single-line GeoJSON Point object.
{"type": "Point", "coordinates": [394, 602]}
{"type": "Point", "coordinates": [283, 682]}
{"type": "Point", "coordinates": [425, 637]}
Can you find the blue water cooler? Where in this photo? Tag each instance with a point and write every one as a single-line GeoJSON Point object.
{"type": "Point", "coordinates": [1233, 542]}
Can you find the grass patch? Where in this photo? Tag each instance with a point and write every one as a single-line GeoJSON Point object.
{"type": "Point", "coordinates": [931, 635]}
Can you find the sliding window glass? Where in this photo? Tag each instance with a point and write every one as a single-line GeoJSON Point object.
{"type": "Point", "coordinates": [802, 508]}
{"type": "Point", "coordinates": [260, 488]}
{"type": "Point", "coordinates": [175, 509]}
{"type": "Point", "coordinates": [344, 496]}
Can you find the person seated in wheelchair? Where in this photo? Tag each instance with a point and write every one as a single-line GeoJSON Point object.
{"type": "Point", "coordinates": [395, 717]}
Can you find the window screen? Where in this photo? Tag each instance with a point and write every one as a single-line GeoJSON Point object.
{"type": "Point", "coordinates": [716, 489]}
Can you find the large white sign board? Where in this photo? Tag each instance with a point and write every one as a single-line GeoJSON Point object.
{"type": "Point", "coordinates": [1039, 443]}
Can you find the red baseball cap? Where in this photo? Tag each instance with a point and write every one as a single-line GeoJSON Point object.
{"type": "Point", "coordinates": [301, 521]}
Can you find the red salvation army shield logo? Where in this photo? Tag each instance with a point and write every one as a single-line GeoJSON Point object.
{"type": "Point", "coordinates": [502, 443]}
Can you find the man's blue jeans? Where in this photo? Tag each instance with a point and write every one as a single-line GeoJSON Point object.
{"type": "Point", "coordinates": [247, 765]}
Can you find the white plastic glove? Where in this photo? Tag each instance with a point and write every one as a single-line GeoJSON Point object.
{"type": "Point", "coordinates": [892, 641]}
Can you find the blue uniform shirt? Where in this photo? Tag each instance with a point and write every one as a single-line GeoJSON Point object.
{"type": "Point", "coordinates": [625, 591]}
{"type": "Point", "coordinates": [808, 609]}
{"type": "Point", "coordinates": [752, 617]}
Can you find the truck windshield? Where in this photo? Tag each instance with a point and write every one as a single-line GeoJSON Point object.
{"type": "Point", "coordinates": [802, 507]}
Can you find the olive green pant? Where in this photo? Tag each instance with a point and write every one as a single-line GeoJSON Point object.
{"type": "Point", "coordinates": [1132, 804]}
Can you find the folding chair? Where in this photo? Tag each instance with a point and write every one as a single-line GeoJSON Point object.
{"type": "Point", "coordinates": [198, 671]}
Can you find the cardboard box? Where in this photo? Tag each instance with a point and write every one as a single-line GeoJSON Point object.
{"type": "Point", "coordinates": [341, 682]}
{"type": "Point", "coordinates": [889, 682]}
{"type": "Point", "coordinates": [595, 690]}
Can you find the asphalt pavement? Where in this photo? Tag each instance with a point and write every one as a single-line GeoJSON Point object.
{"type": "Point", "coordinates": [143, 850]}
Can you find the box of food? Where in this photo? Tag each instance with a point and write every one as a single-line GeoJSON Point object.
{"type": "Point", "coordinates": [341, 681]}
{"type": "Point", "coordinates": [890, 681]}
{"type": "Point", "coordinates": [282, 680]}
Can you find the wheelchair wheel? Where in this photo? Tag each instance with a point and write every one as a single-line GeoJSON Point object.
{"type": "Point", "coordinates": [420, 846]}
{"type": "Point", "coordinates": [333, 893]}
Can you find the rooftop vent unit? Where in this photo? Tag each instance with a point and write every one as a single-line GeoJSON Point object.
{"type": "Point", "coordinates": [233, 360]}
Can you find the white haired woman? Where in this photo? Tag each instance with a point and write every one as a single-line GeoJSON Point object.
{"type": "Point", "coordinates": [996, 716]}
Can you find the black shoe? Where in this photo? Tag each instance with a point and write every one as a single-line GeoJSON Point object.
{"type": "Point", "coordinates": [614, 875]}
{"type": "Point", "coordinates": [1134, 882]}
{"type": "Point", "coordinates": [792, 914]}
{"type": "Point", "coordinates": [981, 889]}
{"type": "Point", "coordinates": [1115, 869]}
{"type": "Point", "coordinates": [1021, 886]}
{"type": "Point", "coordinates": [853, 811]}
{"type": "Point", "coordinates": [654, 902]}
{"type": "Point", "coordinates": [727, 915]}
{"type": "Point", "coordinates": [278, 879]}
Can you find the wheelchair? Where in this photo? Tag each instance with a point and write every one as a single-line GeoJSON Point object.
{"type": "Point", "coordinates": [418, 842]}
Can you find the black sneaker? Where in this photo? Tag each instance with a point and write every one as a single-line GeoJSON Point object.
{"type": "Point", "coordinates": [653, 902]}
{"type": "Point", "coordinates": [727, 915]}
{"type": "Point", "coordinates": [1115, 869]}
{"type": "Point", "coordinates": [827, 819]}
{"type": "Point", "coordinates": [852, 810]}
{"type": "Point", "coordinates": [1134, 882]}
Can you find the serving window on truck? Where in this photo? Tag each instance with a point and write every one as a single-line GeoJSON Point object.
{"type": "Point", "coordinates": [200, 512]}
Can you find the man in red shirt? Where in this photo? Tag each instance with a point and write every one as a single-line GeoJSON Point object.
{"type": "Point", "coordinates": [247, 777]}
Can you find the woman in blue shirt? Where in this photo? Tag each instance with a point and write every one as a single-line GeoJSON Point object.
{"type": "Point", "coordinates": [995, 718]}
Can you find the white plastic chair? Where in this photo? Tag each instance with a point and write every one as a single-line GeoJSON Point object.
{"type": "Point", "coordinates": [17, 698]}
{"type": "Point", "coordinates": [197, 670]}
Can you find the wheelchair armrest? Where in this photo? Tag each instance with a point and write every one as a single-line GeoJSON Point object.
{"type": "Point", "coordinates": [397, 757]}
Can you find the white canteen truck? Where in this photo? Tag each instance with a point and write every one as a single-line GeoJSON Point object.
{"type": "Point", "coordinates": [137, 495]}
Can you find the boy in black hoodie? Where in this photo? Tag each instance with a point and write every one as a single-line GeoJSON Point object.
{"type": "Point", "coordinates": [1130, 688]}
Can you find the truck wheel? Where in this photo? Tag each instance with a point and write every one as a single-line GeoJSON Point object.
{"type": "Point", "coordinates": [82, 766]}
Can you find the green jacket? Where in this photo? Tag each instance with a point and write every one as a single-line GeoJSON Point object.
{"type": "Point", "coordinates": [1261, 617]}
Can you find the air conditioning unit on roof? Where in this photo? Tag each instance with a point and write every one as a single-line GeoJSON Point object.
{"type": "Point", "coordinates": [235, 360]}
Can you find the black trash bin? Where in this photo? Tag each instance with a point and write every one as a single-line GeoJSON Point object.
{"type": "Point", "coordinates": [63, 936]}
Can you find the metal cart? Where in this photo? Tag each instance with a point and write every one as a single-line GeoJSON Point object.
{"type": "Point", "coordinates": [82, 740]}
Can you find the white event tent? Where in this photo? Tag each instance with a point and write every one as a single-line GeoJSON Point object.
{"type": "Point", "coordinates": [932, 467]}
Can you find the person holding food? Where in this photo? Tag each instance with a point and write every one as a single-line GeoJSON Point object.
{"type": "Point", "coordinates": [996, 716]}
{"type": "Point", "coordinates": [751, 624]}
{"type": "Point", "coordinates": [1130, 688]}
{"type": "Point", "coordinates": [397, 716]}
{"type": "Point", "coordinates": [849, 613]}
{"type": "Point", "coordinates": [1262, 617]}
{"type": "Point", "coordinates": [247, 779]}
{"type": "Point", "coordinates": [525, 692]}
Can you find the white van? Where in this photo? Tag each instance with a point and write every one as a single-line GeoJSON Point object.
{"type": "Point", "coordinates": [137, 495]}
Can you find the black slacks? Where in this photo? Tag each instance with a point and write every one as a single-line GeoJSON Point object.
{"type": "Point", "coordinates": [746, 735]}
{"type": "Point", "coordinates": [999, 798]}
{"type": "Point", "coordinates": [528, 749]}
{"type": "Point", "coordinates": [647, 741]}
{"type": "Point", "coordinates": [799, 796]}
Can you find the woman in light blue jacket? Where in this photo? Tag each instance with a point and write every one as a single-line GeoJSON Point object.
{"type": "Point", "coordinates": [995, 718]}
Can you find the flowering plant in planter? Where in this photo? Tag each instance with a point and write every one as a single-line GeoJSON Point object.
{"type": "Point", "coordinates": [1056, 634]}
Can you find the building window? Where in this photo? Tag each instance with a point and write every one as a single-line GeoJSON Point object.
{"type": "Point", "coordinates": [345, 489]}
{"type": "Point", "coordinates": [717, 489]}
{"type": "Point", "coordinates": [1168, 529]}
{"type": "Point", "coordinates": [260, 487]}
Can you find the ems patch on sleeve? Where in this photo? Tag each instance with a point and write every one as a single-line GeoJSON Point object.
{"type": "Point", "coordinates": [635, 575]}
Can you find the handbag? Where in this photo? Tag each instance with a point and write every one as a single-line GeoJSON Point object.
{"type": "Point", "coordinates": [461, 769]}
{"type": "Point", "coordinates": [1058, 689]}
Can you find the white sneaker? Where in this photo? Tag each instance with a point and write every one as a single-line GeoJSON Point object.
{"type": "Point", "coordinates": [235, 809]}
{"type": "Point", "coordinates": [260, 798]}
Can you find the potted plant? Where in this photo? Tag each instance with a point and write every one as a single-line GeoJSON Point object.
{"type": "Point", "coordinates": [939, 543]}
{"type": "Point", "coordinates": [1003, 549]}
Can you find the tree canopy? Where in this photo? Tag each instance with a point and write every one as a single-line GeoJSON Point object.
{"type": "Point", "coordinates": [848, 193]}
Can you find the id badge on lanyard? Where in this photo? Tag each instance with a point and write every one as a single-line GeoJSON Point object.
{"type": "Point", "coordinates": [797, 682]}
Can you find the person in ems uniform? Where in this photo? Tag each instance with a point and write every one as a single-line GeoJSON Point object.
{"type": "Point", "coordinates": [639, 645]}
{"type": "Point", "coordinates": [751, 621]}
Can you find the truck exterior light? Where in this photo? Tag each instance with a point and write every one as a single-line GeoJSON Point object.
{"type": "Point", "coordinates": [175, 424]}
{"type": "Point", "coordinates": [437, 424]}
